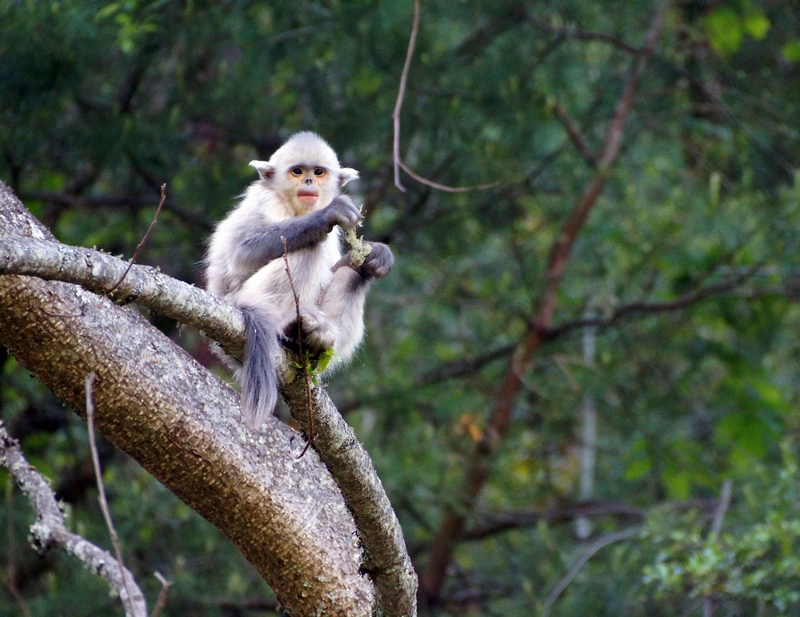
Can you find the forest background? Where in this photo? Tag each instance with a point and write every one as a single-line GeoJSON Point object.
{"type": "Point", "coordinates": [580, 383]}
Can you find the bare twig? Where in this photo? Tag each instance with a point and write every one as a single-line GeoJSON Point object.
{"type": "Point", "coordinates": [161, 602]}
{"type": "Point", "coordinates": [598, 544]}
{"type": "Point", "coordinates": [300, 349]}
{"type": "Point", "coordinates": [584, 35]}
{"type": "Point", "coordinates": [18, 598]}
{"type": "Point", "coordinates": [574, 134]}
{"type": "Point", "coordinates": [444, 187]}
{"type": "Point", "coordinates": [144, 239]}
{"type": "Point", "coordinates": [101, 489]}
{"type": "Point", "coordinates": [722, 508]}
{"type": "Point", "coordinates": [716, 527]}
{"type": "Point", "coordinates": [398, 106]}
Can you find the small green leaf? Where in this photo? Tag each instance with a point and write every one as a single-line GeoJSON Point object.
{"type": "Point", "coordinates": [791, 50]}
{"type": "Point", "coordinates": [724, 30]}
{"type": "Point", "coordinates": [756, 25]}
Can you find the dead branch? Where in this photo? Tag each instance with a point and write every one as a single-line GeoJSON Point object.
{"type": "Point", "coordinates": [101, 489]}
{"type": "Point", "coordinates": [50, 528]}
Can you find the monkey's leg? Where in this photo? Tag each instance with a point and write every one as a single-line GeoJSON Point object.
{"type": "Point", "coordinates": [343, 305]}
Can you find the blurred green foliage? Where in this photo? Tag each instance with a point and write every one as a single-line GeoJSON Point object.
{"type": "Point", "coordinates": [101, 103]}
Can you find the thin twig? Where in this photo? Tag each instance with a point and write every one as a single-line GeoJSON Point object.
{"type": "Point", "coordinates": [444, 187]}
{"type": "Point", "coordinates": [722, 508]}
{"type": "Point", "coordinates": [300, 348]}
{"type": "Point", "coordinates": [10, 581]}
{"type": "Point", "coordinates": [398, 106]}
{"type": "Point", "coordinates": [162, 595]}
{"type": "Point", "coordinates": [101, 497]}
{"type": "Point", "coordinates": [723, 504]}
{"type": "Point", "coordinates": [18, 597]}
{"type": "Point", "coordinates": [641, 308]}
{"type": "Point", "coordinates": [574, 134]}
{"type": "Point", "coordinates": [584, 35]}
{"type": "Point", "coordinates": [598, 544]}
{"type": "Point", "coordinates": [144, 239]}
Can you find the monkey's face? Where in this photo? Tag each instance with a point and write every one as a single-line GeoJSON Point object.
{"type": "Point", "coordinates": [310, 187]}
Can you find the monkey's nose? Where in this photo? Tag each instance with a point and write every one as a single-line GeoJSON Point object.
{"type": "Point", "coordinates": [309, 181]}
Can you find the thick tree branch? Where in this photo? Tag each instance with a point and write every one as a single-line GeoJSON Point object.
{"type": "Point", "coordinates": [452, 525]}
{"type": "Point", "coordinates": [50, 528]}
{"type": "Point", "coordinates": [100, 273]}
{"type": "Point", "coordinates": [386, 556]}
{"type": "Point", "coordinates": [184, 426]}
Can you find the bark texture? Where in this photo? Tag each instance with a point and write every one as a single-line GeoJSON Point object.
{"type": "Point", "coordinates": [184, 426]}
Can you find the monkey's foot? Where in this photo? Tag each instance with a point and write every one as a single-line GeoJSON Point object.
{"type": "Point", "coordinates": [316, 335]}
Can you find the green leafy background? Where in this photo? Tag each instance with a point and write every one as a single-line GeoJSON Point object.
{"type": "Point", "coordinates": [101, 103]}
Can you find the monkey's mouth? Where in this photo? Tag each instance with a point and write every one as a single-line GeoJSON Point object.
{"type": "Point", "coordinates": [307, 198]}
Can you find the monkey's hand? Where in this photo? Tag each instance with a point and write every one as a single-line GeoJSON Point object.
{"type": "Point", "coordinates": [378, 263]}
{"type": "Point", "coordinates": [342, 212]}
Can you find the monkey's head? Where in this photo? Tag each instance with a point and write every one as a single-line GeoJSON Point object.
{"type": "Point", "coordinates": [305, 172]}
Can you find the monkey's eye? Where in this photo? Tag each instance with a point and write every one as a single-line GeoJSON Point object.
{"type": "Point", "coordinates": [297, 171]}
{"type": "Point", "coordinates": [319, 171]}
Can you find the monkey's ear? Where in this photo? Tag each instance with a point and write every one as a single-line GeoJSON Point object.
{"type": "Point", "coordinates": [346, 174]}
{"type": "Point", "coordinates": [264, 169]}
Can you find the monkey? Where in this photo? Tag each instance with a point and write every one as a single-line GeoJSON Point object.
{"type": "Point", "coordinates": [294, 209]}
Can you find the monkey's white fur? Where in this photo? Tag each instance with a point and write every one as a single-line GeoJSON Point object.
{"type": "Point", "coordinates": [331, 303]}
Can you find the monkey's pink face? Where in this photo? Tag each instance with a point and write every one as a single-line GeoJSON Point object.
{"type": "Point", "coordinates": [310, 181]}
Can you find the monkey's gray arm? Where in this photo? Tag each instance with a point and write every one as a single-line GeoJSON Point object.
{"type": "Point", "coordinates": [257, 247]}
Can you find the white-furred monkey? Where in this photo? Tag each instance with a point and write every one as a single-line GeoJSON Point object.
{"type": "Point", "coordinates": [295, 198]}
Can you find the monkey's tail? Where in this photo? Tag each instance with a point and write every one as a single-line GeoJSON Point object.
{"type": "Point", "coordinates": [259, 375]}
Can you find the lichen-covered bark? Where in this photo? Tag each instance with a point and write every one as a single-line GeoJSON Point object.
{"type": "Point", "coordinates": [184, 426]}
